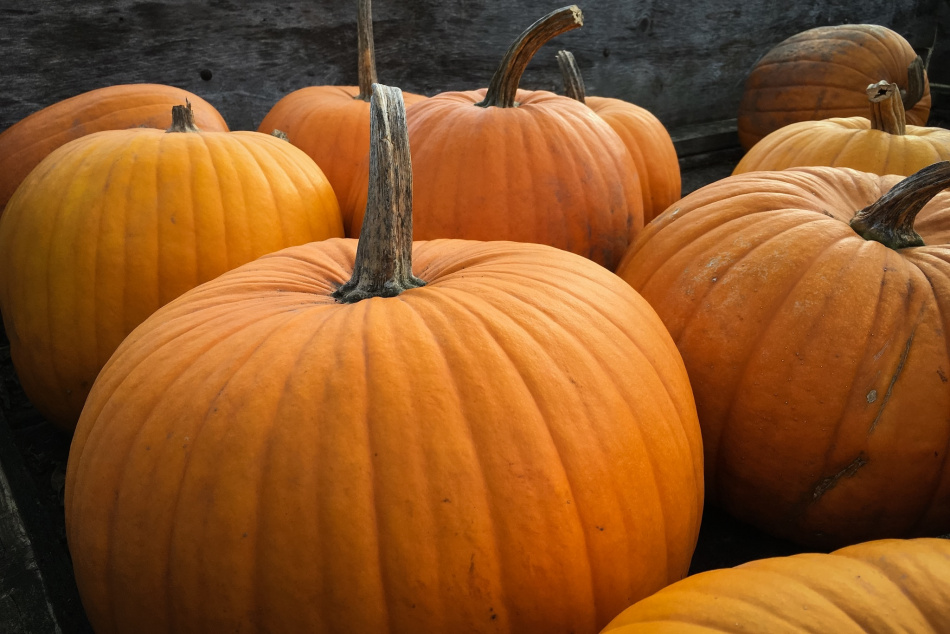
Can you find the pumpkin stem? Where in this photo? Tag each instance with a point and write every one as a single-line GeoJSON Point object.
{"type": "Point", "coordinates": [887, 110]}
{"type": "Point", "coordinates": [504, 83]}
{"type": "Point", "coordinates": [183, 119]}
{"type": "Point", "coordinates": [573, 80]}
{"type": "Point", "coordinates": [890, 220]}
{"type": "Point", "coordinates": [915, 83]}
{"type": "Point", "coordinates": [383, 266]}
{"type": "Point", "coordinates": [367, 63]}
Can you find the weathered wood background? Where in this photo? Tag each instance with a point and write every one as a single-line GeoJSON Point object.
{"type": "Point", "coordinates": [685, 60]}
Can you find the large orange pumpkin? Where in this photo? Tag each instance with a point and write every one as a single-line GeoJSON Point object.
{"type": "Point", "coordinates": [881, 143]}
{"type": "Point", "coordinates": [465, 436]}
{"type": "Point", "coordinates": [878, 587]}
{"type": "Point", "coordinates": [818, 355]}
{"type": "Point", "coordinates": [530, 166]}
{"type": "Point", "coordinates": [24, 144]}
{"type": "Point", "coordinates": [821, 73]}
{"type": "Point", "coordinates": [645, 137]}
{"type": "Point", "coordinates": [331, 123]}
{"type": "Point", "coordinates": [112, 225]}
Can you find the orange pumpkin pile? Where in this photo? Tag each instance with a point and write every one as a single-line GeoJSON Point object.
{"type": "Point", "coordinates": [465, 420]}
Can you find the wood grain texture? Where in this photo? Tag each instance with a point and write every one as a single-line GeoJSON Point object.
{"type": "Point", "coordinates": [685, 61]}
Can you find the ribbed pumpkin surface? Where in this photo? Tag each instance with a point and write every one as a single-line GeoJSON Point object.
{"type": "Point", "coordinates": [113, 225]}
{"type": "Point", "coordinates": [879, 587]}
{"type": "Point", "coordinates": [651, 147]}
{"type": "Point", "coordinates": [548, 171]}
{"type": "Point", "coordinates": [24, 144]}
{"type": "Point", "coordinates": [819, 359]}
{"type": "Point", "coordinates": [332, 127]}
{"type": "Point", "coordinates": [848, 142]}
{"type": "Point", "coordinates": [510, 448]}
{"type": "Point", "coordinates": [822, 73]}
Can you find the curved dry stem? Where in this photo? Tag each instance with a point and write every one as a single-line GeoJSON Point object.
{"type": "Point", "coordinates": [504, 83]}
{"type": "Point", "coordinates": [916, 82]}
{"type": "Point", "coordinates": [890, 220]}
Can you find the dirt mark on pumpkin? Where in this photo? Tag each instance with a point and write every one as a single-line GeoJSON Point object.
{"type": "Point", "coordinates": [829, 483]}
{"type": "Point", "coordinates": [890, 386]}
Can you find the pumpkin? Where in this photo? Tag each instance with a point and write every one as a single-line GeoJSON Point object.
{"type": "Point", "coordinates": [331, 123]}
{"type": "Point", "coordinates": [24, 144]}
{"type": "Point", "coordinates": [881, 143]}
{"type": "Point", "coordinates": [812, 320]}
{"type": "Point", "coordinates": [878, 587]}
{"type": "Point", "coordinates": [821, 73]}
{"type": "Point", "coordinates": [112, 225]}
{"type": "Point", "coordinates": [645, 137]}
{"type": "Point", "coordinates": [436, 436]}
{"type": "Point", "coordinates": [530, 166]}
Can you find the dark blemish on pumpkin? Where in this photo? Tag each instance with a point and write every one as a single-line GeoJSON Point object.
{"type": "Point", "coordinates": [600, 528]}
{"type": "Point", "coordinates": [494, 616]}
{"type": "Point", "coordinates": [244, 535]}
{"type": "Point", "coordinates": [206, 74]}
{"type": "Point", "coordinates": [148, 447]}
{"type": "Point", "coordinates": [943, 377]}
{"type": "Point", "coordinates": [890, 387]}
{"type": "Point", "coordinates": [446, 500]}
{"type": "Point", "coordinates": [173, 220]}
{"type": "Point", "coordinates": [471, 565]}
{"type": "Point", "coordinates": [829, 483]}
{"type": "Point", "coordinates": [169, 436]}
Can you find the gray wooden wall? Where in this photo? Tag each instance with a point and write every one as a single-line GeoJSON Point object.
{"type": "Point", "coordinates": [685, 60]}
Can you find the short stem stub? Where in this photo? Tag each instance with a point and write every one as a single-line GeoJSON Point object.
{"type": "Point", "coordinates": [367, 57]}
{"type": "Point", "coordinates": [504, 83]}
{"type": "Point", "coordinates": [183, 119]}
{"type": "Point", "coordinates": [887, 110]}
{"type": "Point", "coordinates": [383, 266]}
{"type": "Point", "coordinates": [916, 80]}
{"type": "Point", "coordinates": [890, 220]}
{"type": "Point", "coordinates": [573, 80]}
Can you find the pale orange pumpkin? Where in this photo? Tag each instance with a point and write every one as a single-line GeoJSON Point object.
{"type": "Point", "coordinates": [877, 587]}
{"type": "Point", "coordinates": [24, 144]}
{"type": "Point", "coordinates": [465, 436]}
{"type": "Point", "coordinates": [112, 225]}
{"type": "Point", "coordinates": [880, 143]}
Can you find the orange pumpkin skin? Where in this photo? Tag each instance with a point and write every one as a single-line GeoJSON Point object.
{"type": "Point", "coordinates": [878, 587]}
{"type": "Point", "coordinates": [848, 142]}
{"type": "Point", "coordinates": [115, 224]}
{"type": "Point", "coordinates": [24, 144]}
{"type": "Point", "coordinates": [651, 147]}
{"type": "Point", "coordinates": [258, 457]}
{"type": "Point", "coordinates": [818, 359]}
{"type": "Point", "coordinates": [331, 125]}
{"type": "Point", "coordinates": [545, 171]}
{"type": "Point", "coordinates": [822, 73]}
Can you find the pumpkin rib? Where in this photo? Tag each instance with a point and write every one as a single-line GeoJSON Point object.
{"type": "Point", "coordinates": [743, 367]}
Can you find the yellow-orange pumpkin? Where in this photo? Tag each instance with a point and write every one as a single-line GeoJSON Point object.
{"type": "Point", "coordinates": [331, 123]}
{"type": "Point", "coordinates": [505, 443]}
{"type": "Point", "coordinates": [112, 225]}
{"type": "Point", "coordinates": [821, 73]}
{"type": "Point", "coordinates": [24, 144]}
{"type": "Point", "coordinates": [645, 137]}
{"type": "Point", "coordinates": [818, 355]}
{"type": "Point", "coordinates": [529, 166]}
{"type": "Point", "coordinates": [878, 587]}
{"type": "Point", "coordinates": [881, 143]}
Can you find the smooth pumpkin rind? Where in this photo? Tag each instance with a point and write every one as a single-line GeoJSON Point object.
{"type": "Point", "coordinates": [818, 359]}
{"type": "Point", "coordinates": [474, 454]}
{"type": "Point", "coordinates": [113, 225]}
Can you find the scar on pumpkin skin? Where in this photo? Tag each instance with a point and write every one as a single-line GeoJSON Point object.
{"type": "Point", "coordinates": [829, 483]}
